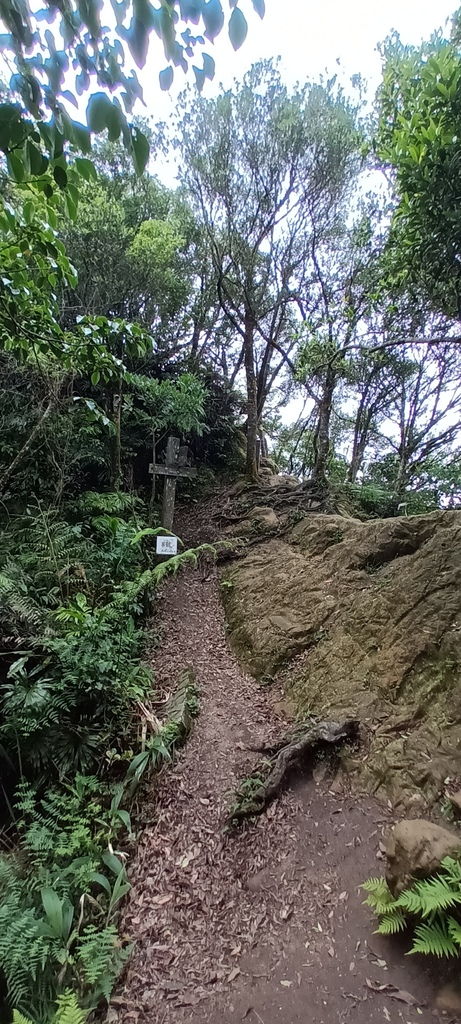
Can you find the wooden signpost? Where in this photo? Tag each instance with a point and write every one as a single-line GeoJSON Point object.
{"type": "Point", "coordinates": [175, 466]}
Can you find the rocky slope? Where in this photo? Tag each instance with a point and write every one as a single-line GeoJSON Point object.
{"type": "Point", "coordinates": [364, 619]}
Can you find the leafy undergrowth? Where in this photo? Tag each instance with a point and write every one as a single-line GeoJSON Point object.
{"type": "Point", "coordinates": [78, 731]}
{"type": "Point", "coordinates": [432, 905]}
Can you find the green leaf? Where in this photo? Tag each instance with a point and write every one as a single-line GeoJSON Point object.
{"type": "Point", "coordinates": [138, 764]}
{"type": "Point", "coordinates": [98, 112]}
{"type": "Point", "coordinates": [60, 176]}
{"type": "Point", "coordinates": [140, 151]}
{"type": "Point", "coordinates": [113, 863]}
{"type": "Point", "coordinates": [102, 880]}
{"type": "Point", "coordinates": [125, 818]}
{"type": "Point", "coordinates": [114, 121]}
{"type": "Point", "coordinates": [208, 66]}
{"type": "Point", "coordinates": [89, 13]}
{"type": "Point", "coordinates": [38, 162]}
{"type": "Point", "coordinates": [16, 167]}
{"type": "Point", "coordinates": [166, 78]}
{"type": "Point", "coordinates": [199, 77]}
{"type": "Point", "coordinates": [28, 212]}
{"type": "Point", "coordinates": [213, 17]}
{"type": "Point", "coordinates": [95, 377]}
{"type": "Point", "coordinates": [52, 906]}
{"type": "Point", "coordinates": [260, 7]}
{"type": "Point", "coordinates": [86, 168]}
{"type": "Point", "coordinates": [70, 205]}
{"type": "Point", "coordinates": [81, 137]}
{"type": "Point", "coordinates": [238, 28]}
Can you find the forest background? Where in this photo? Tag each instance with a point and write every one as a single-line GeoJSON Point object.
{"type": "Point", "coordinates": [309, 255]}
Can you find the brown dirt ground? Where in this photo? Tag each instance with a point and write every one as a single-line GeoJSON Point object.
{"type": "Point", "coordinates": [265, 924]}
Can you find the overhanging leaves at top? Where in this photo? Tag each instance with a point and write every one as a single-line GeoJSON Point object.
{"type": "Point", "coordinates": [54, 48]}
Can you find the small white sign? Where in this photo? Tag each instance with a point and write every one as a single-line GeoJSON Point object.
{"type": "Point", "coordinates": [167, 545]}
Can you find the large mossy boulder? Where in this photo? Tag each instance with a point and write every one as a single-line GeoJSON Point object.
{"type": "Point", "coordinates": [364, 619]}
{"type": "Point", "coordinates": [415, 850]}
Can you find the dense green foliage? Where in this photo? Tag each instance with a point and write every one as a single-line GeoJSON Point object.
{"type": "Point", "coordinates": [431, 904]}
{"type": "Point", "coordinates": [418, 136]}
{"type": "Point", "coordinates": [74, 595]}
{"type": "Point", "coordinates": [129, 311]}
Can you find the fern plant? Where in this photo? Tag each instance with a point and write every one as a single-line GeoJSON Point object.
{"type": "Point", "coordinates": [67, 1012]}
{"type": "Point", "coordinates": [435, 904]}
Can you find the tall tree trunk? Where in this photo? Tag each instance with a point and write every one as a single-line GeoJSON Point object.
{"type": "Point", "coordinates": [401, 478]}
{"type": "Point", "coordinates": [354, 465]}
{"type": "Point", "coordinates": [116, 441]}
{"type": "Point", "coordinates": [322, 433]}
{"type": "Point", "coordinates": [264, 445]}
{"type": "Point", "coordinates": [252, 396]}
{"type": "Point", "coordinates": [152, 490]}
{"type": "Point", "coordinates": [361, 434]}
{"type": "Point", "coordinates": [194, 343]}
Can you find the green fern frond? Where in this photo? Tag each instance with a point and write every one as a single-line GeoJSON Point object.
{"type": "Point", "coordinates": [454, 931]}
{"type": "Point", "coordinates": [108, 503]}
{"type": "Point", "coordinates": [452, 869]}
{"type": "Point", "coordinates": [392, 923]}
{"type": "Point", "coordinates": [68, 1011]}
{"type": "Point", "coordinates": [380, 898]}
{"type": "Point", "coordinates": [429, 895]}
{"type": "Point", "coordinates": [18, 1018]}
{"type": "Point", "coordinates": [434, 939]}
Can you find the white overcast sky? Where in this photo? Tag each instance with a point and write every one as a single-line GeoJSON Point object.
{"type": "Point", "coordinates": [310, 36]}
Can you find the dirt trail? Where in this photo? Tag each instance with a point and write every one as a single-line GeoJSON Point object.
{"type": "Point", "coordinates": [265, 924]}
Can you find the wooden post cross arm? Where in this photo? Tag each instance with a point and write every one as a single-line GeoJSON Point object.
{"type": "Point", "coordinates": [175, 466]}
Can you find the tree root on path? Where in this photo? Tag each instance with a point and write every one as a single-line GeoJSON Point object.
{"type": "Point", "coordinates": [301, 742]}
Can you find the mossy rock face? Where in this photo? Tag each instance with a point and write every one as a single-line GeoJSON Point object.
{"type": "Point", "coordinates": [364, 619]}
{"type": "Point", "coordinates": [261, 520]}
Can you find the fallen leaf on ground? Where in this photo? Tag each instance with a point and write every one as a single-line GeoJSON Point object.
{"type": "Point", "coordinates": [164, 897]}
{"type": "Point", "coordinates": [390, 990]}
{"type": "Point", "coordinates": [233, 974]}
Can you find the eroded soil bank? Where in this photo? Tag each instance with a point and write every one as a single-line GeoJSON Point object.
{"type": "Point", "coordinates": [265, 924]}
{"type": "Point", "coordinates": [363, 619]}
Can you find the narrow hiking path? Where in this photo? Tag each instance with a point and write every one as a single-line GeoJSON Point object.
{"type": "Point", "coordinates": [265, 924]}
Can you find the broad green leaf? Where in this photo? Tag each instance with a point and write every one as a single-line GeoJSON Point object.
{"type": "Point", "coordinates": [113, 863]}
{"type": "Point", "coordinates": [166, 78]}
{"type": "Point", "coordinates": [98, 112]}
{"type": "Point", "coordinates": [86, 168]}
{"type": "Point", "coordinates": [199, 77]}
{"type": "Point", "coordinates": [81, 137]}
{"type": "Point", "coordinates": [60, 176]}
{"type": "Point", "coordinates": [38, 162]}
{"type": "Point", "coordinates": [125, 818]}
{"type": "Point", "coordinates": [53, 909]}
{"type": "Point", "coordinates": [213, 17]}
{"type": "Point", "coordinates": [238, 28]}
{"type": "Point", "coordinates": [114, 121]}
{"type": "Point", "coordinates": [89, 13]}
{"type": "Point", "coordinates": [16, 166]}
{"type": "Point", "coordinates": [208, 66]}
{"type": "Point", "coordinates": [102, 880]}
{"type": "Point", "coordinates": [140, 151]}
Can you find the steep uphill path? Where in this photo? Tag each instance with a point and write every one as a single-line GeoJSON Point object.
{"type": "Point", "coordinates": [264, 925]}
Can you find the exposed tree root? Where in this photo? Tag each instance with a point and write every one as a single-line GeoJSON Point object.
{"type": "Point", "coordinates": [302, 741]}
